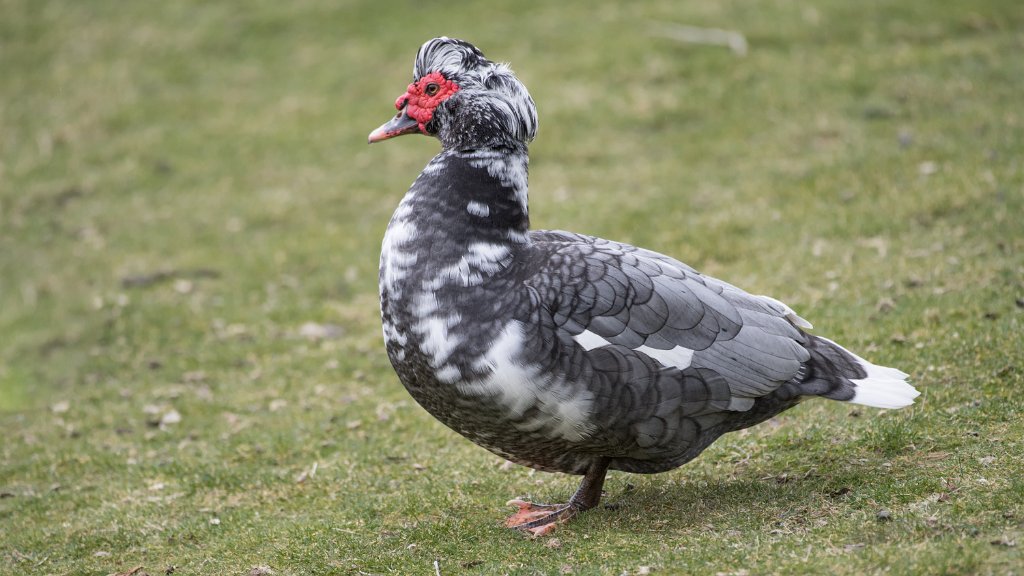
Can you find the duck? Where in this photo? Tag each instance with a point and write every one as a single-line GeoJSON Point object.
{"type": "Point", "coordinates": [561, 351]}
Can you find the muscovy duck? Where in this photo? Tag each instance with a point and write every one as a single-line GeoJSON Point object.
{"type": "Point", "coordinates": [561, 351]}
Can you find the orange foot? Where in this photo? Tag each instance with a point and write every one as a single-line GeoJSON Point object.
{"type": "Point", "coordinates": [539, 519]}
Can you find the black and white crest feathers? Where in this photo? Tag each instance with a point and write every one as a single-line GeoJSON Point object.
{"type": "Point", "coordinates": [490, 89]}
{"type": "Point", "coordinates": [448, 56]}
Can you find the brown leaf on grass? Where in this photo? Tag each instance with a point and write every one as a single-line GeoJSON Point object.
{"type": "Point", "coordinates": [261, 571]}
{"type": "Point", "coordinates": [136, 571]}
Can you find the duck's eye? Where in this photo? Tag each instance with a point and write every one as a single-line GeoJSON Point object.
{"type": "Point", "coordinates": [431, 89]}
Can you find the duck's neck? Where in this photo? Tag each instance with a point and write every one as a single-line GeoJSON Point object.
{"type": "Point", "coordinates": [499, 197]}
{"type": "Point", "coordinates": [466, 213]}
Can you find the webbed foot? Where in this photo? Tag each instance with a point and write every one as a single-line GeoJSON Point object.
{"type": "Point", "coordinates": [539, 519]}
{"type": "Point", "coordinates": [543, 519]}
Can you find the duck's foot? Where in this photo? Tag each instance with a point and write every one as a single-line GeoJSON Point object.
{"type": "Point", "coordinates": [542, 519]}
{"type": "Point", "coordinates": [539, 519]}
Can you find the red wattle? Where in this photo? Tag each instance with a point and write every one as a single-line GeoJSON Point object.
{"type": "Point", "coordinates": [418, 105]}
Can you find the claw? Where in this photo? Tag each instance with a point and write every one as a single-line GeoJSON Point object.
{"type": "Point", "coordinates": [541, 531]}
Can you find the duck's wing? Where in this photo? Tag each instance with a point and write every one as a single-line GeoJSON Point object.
{"type": "Point", "coordinates": [610, 296]}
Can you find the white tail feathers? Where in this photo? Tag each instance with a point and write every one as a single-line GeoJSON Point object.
{"type": "Point", "coordinates": [883, 387]}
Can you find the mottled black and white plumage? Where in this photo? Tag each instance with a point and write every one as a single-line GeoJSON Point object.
{"type": "Point", "coordinates": [565, 352]}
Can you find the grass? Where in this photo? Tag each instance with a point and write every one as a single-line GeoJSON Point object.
{"type": "Point", "coordinates": [184, 186]}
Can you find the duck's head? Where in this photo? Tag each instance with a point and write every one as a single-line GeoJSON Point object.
{"type": "Point", "coordinates": [463, 99]}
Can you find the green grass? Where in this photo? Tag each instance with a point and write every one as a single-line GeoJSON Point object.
{"type": "Point", "coordinates": [183, 185]}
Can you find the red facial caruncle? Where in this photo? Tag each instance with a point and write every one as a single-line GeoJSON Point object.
{"type": "Point", "coordinates": [423, 96]}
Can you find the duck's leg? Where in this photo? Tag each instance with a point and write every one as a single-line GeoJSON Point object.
{"type": "Point", "coordinates": [541, 519]}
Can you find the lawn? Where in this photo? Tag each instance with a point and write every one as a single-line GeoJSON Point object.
{"type": "Point", "coordinates": [192, 377]}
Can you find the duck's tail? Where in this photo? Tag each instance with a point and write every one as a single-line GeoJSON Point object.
{"type": "Point", "coordinates": [835, 372]}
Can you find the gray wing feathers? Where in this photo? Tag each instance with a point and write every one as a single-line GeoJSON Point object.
{"type": "Point", "coordinates": [633, 298]}
{"type": "Point", "coordinates": [755, 362]}
{"type": "Point", "coordinates": [767, 352]}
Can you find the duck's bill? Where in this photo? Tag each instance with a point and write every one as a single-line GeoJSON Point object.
{"type": "Point", "coordinates": [400, 125]}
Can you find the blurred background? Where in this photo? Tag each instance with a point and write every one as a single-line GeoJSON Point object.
{"type": "Point", "coordinates": [190, 222]}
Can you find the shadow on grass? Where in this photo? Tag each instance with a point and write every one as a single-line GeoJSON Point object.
{"type": "Point", "coordinates": [754, 497]}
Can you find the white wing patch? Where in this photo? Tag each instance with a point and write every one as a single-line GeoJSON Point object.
{"type": "Point", "coordinates": [678, 357]}
{"type": "Point", "coordinates": [588, 340]}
